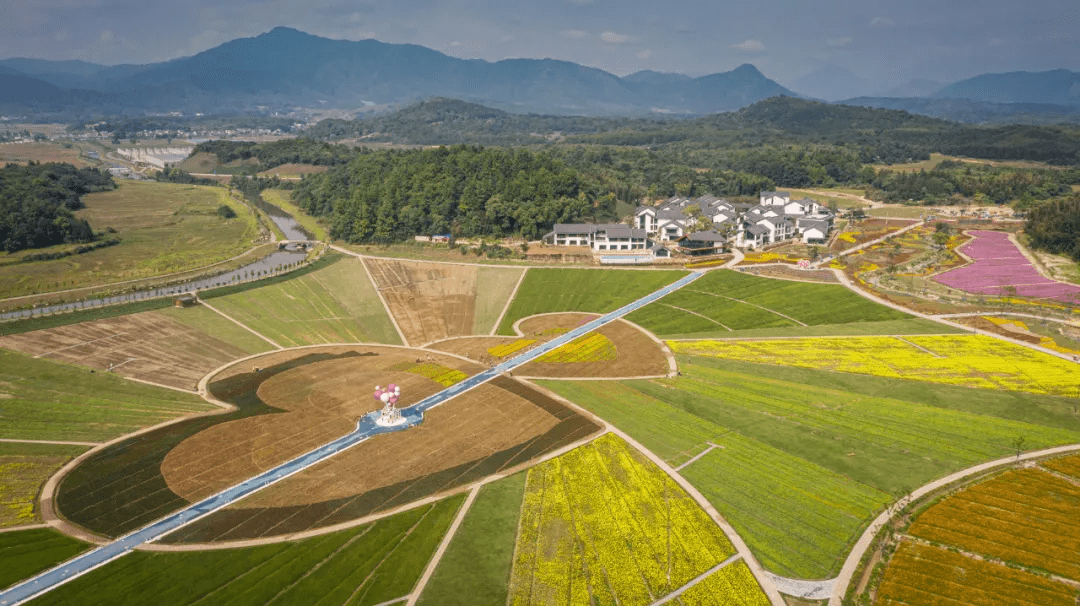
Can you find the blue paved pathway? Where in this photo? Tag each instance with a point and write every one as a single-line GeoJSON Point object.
{"type": "Point", "coordinates": [365, 428]}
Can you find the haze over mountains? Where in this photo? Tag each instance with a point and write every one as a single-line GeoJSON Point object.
{"type": "Point", "coordinates": [286, 68]}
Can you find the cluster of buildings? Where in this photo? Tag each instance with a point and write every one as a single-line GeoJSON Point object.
{"type": "Point", "coordinates": [704, 225]}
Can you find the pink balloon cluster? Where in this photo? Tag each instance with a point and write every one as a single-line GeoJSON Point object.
{"type": "Point", "coordinates": [389, 394]}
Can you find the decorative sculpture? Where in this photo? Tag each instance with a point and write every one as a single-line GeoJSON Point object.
{"type": "Point", "coordinates": [389, 396]}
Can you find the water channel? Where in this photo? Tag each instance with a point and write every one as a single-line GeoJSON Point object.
{"type": "Point", "coordinates": [272, 263]}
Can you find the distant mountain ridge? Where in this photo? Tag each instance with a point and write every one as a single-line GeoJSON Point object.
{"type": "Point", "coordinates": [1056, 87]}
{"type": "Point", "coordinates": [286, 68]}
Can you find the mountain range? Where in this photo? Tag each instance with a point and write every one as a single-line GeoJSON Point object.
{"type": "Point", "coordinates": [286, 68]}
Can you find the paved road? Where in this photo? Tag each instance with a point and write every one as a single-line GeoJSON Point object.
{"type": "Point", "coordinates": [365, 428]}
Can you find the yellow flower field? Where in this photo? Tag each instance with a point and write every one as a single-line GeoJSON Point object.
{"type": "Point", "coordinates": [501, 351]}
{"type": "Point", "coordinates": [436, 372]}
{"type": "Point", "coordinates": [732, 584]}
{"type": "Point", "coordinates": [593, 347]}
{"type": "Point", "coordinates": [966, 360]}
{"type": "Point", "coordinates": [603, 525]}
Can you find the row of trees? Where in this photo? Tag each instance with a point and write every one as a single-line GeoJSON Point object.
{"type": "Point", "coordinates": [37, 203]}
{"type": "Point", "coordinates": [468, 191]}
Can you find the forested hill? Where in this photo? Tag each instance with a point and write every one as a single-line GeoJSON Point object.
{"type": "Point", "coordinates": [876, 135]}
{"type": "Point", "coordinates": [36, 204]}
{"type": "Point", "coordinates": [393, 195]}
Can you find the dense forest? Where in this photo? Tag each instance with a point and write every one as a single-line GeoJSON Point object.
{"type": "Point", "coordinates": [1055, 227]}
{"type": "Point", "coordinates": [393, 195]}
{"type": "Point", "coordinates": [983, 184]}
{"type": "Point", "coordinates": [37, 203]}
{"type": "Point", "coordinates": [285, 151]}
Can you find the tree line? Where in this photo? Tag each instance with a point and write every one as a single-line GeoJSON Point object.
{"type": "Point", "coordinates": [37, 204]}
{"type": "Point", "coordinates": [1055, 227]}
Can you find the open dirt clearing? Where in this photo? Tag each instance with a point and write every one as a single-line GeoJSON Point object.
{"type": "Point", "coordinates": [491, 428]}
{"type": "Point", "coordinates": [146, 346]}
{"type": "Point", "coordinates": [430, 301]}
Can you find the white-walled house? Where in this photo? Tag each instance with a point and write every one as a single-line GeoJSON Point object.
{"type": "Point", "coordinates": [602, 237]}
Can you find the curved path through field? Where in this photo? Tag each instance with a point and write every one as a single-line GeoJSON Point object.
{"type": "Point", "coordinates": [366, 427]}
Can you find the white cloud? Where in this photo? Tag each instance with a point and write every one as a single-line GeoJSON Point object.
{"type": "Point", "coordinates": [838, 42]}
{"type": "Point", "coordinates": [881, 22]}
{"type": "Point", "coordinates": [644, 54]}
{"type": "Point", "coordinates": [106, 36]}
{"type": "Point", "coordinates": [613, 38]}
{"type": "Point", "coordinates": [62, 35]}
{"type": "Point", "coordinates": [750, 46]}
{"type": "Point", "coordinates": [575, 34]}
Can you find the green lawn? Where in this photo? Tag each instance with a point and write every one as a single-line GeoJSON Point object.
{"type": "Point", "coordinates": [163, 228]}
{"type": "Point", "coordinates": [915, 326]}
{"type": "Point", "coordinates": [475, 570]}
{"type": "Point", "coordinates": [23, 469]}
{"type": "Point", "coordinates": [362, 566]}
{"type": "Point", "coordinates": [807, 458]}
{"type": "Point", "coordinates": [733, 300]}
{"type": "Point", "coordinates": [547, 290]}
{"type": "Point", "coordinates": [334, 304]}
{"type": "Point", "coordinates": [24, 553]}
{"type": "Point", "coordinates": [494, 285]}
{"type": "Point", "coordinates": [215, 325]}
{"type": "Point", "coordinates": [46, 400]}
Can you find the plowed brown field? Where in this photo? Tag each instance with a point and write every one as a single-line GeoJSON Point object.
{"type": "Point", "coordinates": [486, 430]}
{"type": "Point", "coordinates": [145, 346]}
{"type": "Point", "coordinates": [430, 301]}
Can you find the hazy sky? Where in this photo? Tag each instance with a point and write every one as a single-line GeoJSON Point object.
{"type": "Point", "coordinates": [888, 42]}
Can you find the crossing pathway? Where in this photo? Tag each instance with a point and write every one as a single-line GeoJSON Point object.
{"type": "Point", "coordinates": [366, 427]}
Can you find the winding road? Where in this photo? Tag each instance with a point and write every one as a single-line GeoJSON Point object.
{"type": "Point", "coordinates": [365, 428]}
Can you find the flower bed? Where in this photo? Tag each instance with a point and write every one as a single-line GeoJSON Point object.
{"type": "Point", "coordinates": [999, 267]}
{"type": "Point", "coordinates": [501, 351]}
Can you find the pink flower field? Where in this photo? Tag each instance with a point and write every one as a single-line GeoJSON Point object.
{"type": "Point", "coordinates": [999, 263]}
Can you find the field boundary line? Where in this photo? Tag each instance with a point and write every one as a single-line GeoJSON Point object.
{"type": "Point", "coordinates": [694, 581]}
{"type": "Point", "coordinates": [241, 324]}
{"type": "Point", "coordinates": [725, 327]}
{"type": "Point", "coordinates": [382, 299]}
{"type": "Point", "coordinates": [740, 546]}
{"type": "Point", "coordinates": [1059, 475]}
{"type": "Point", "coordinates": [698, 456]}
{"type": "Point", "coordinates": [443, 545]}
{"type": "Point", "coordinates": [26, 527]}
{"type": "Point", "coordinates": [863, 544]}
{"type": "Point", "coordinates": [673, 365]}
{"type": "Point", "coordinates": [506, 308]}
{"type": "Point", "coordinates": [902, 339]}
{"type": "Point", "coordinates": [992, 560]}
{"type": "Point", "coordinates": [772, 311]}
{"type": "Point", "coordinates": [52, 351]}
{"type": "Point", "coordinates": [57, 442]}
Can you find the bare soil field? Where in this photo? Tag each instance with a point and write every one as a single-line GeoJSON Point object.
{"type": "Point", "coordinates": [146, 346]}
{"type": "Point", "coordinates": [430, 301]}
{"type": "Point", "coordinates": [638, 355]}
{"type": "Point", "coordinates": [21, 153]}
{"type": "Point", "coordinates": [791, 273]}
{"type": "Point", "coordinates": [489, 429]}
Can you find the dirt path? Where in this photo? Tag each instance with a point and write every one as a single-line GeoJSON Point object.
{"type": "Point", "coordinates": [498, 321]}
{"type": "Point", "coordinates": [867, 244]}
{"type": "Point", "coordinates": [435, 559]}
{"type": "Point", "coordinates": [694, 581]}
{"type": "Point", "coordinates": [846, 196]}
{"type": "Point", "coordinates": [59, 442]}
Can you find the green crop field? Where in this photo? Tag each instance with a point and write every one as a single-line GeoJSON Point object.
{"type": "Point", "coordinates": [546, 290]}
{"type": "Point", "coordinates": [335, 304]}
{"type": "Point", "coordinates": [163, 228]}
{"type": "Point", "coordinates": [804, 466]}
{"type": "Point", "coordinates": [494, 285]}
{"type": "Point", "coordinates": [217, 326]}
{"type": "Point", "coordinates": [475, 569]}
{"type": "Point", "coordinates": [24, 553]}
{"type": "Point", "coordinates": [915, 326]}
{"type": "Point", "coordinates": [23, 469]}
{"type": "Point", "coordinates": [46, 400]}
{"type": "Point", "coordinates": [737, 301]}
{"type": "Point", "coordinates": [368, 565]}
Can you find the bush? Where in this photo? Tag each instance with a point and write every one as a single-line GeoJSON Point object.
{"type": "Point", "coordinates": [226, 212]}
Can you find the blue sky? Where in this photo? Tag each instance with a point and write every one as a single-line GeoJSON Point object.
{"type": "Point", "coordinates": [886, 42]}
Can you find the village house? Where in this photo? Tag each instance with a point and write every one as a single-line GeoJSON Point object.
{"type": "Point", "coordinates": [601, 237]}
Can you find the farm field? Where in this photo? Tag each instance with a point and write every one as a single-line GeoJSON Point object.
{"type": "Point", "coordinates": [993, 542]}
{"type": "Point", "coordinates": [148, 346]}
{"type": "Point", "coordinates": [23, 469]}
{"type": "Point", "coordinates": [968, 360]}
{"type": "Point", "coordinates": [334, 304]}
{"type": "Point", "coordinates": [725, 300]}
{"type": "Point", "coordinates": [1000, 269]}
{"type": "Point", "coordinates": [217, 327]}
{"type": "Point", "coordinates": [547, 290]}
{"type": "Point", "coordinates": [436, 301]}
{"type": "Point", "coordinates": [914, 326]}
{"type": "Point", "coordinates": [163, 228]}
{"type": "Point", "coordinates": [313, 395]}
{"type": "Point", "coordinates": [363, 566]}
{"type": "Point", "coordinates": [45, 400]}
{"type": "Point", "coordinates": [24, 553]}
{"type": "Point", "coordinates": [804, 467]}
{"type": "Point", "coordinates": [41, 152]}
{"type": "Point", "coordinates": [475, 570]}
{"type": "Point", "coordinates": [732, 584]}
{"type": "Point", "coordinates": [601, 524]}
